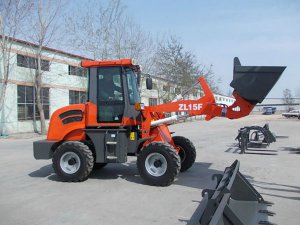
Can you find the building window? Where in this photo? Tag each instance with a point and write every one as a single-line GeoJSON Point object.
{"type": "Point", "coordinates": [152, 101]}
{"type": "Point", "coordinates": [27, 103]}
{"type": "Point", "coordinates": [77, 97]}
{"type": "Point", "coordinates": [31, 62]}
{"type": "Point", "coordinates": [77, 71]}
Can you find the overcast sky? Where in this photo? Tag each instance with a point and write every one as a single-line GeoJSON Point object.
{"type": "Point", "coordinates": [258, 32]}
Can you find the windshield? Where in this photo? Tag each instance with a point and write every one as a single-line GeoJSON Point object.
{"type": "Point", "coordinates": [132, 86]}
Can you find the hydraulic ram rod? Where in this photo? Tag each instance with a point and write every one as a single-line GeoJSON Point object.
{"type": "Point", "coordinates": [170, 119]}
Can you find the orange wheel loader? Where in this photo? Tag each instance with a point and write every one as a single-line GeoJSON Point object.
{"type": "Point", "coordinates": [113, 124]}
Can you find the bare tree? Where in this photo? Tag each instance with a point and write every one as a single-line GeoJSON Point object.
{"type": "Point", "coordinates": [129, 40]}
{"type": "Point", "coordinates": [44, 32]}
{"type": "Point", "coordinates": [298, 92]}
{"type": "Point", "coordinates": [91, 32]}
{"type": "Point", "coordinates": [106, 32]}
{"type": "Point", "coordinates": [288, 99]}
{"type": "Point", "coordinates": [12, 14]}
{"type": "Point", "coordinates": [174, 63]}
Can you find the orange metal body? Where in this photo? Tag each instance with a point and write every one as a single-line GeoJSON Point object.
{"type": "Point", "coordinates": [75, 131]}
{"type": "Point", "coordinates": [120, 62]}
{"type": "Point", "coordinates": [91, 120]}
{"type": "Point", "coordinates": [59, 131]}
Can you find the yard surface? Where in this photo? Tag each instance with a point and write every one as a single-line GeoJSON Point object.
{"type": "Point", "coordinates": [30, 192]}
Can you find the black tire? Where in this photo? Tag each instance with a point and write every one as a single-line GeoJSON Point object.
{"type": "Point", "coordinates": [73, 161]}
{"type": "Point", "coordinates": [158, 164]}
{"type": "Point", "coordinates": [187, 152]}
{"type": "Point", "coordinates": [99, 166]}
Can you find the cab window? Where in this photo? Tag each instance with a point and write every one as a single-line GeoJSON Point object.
{"type": "Point", "coordinates": [132, 87]}
{"type": "Point", "coordinates": [110, 95]}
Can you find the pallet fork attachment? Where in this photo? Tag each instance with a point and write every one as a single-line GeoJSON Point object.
{"type": "Point", "coordinates": [234, 201]}
{"type": "Point", "coordinates": [255, 136]}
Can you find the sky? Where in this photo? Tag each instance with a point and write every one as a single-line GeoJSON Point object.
{"type": "Point", "coordinates": [260, 33]}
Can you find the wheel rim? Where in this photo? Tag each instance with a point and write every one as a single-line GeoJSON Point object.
{"type": "Point", "coordinates": [156, 164]}
{"type": "Point", "coordinates": [70, 162]}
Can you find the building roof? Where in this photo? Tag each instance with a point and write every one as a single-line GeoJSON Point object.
{"type": "Point", "coordinates": [46, 48]}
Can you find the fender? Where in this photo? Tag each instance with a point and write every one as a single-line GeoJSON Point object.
{"type": "Point", "coordinates": [68, 123]}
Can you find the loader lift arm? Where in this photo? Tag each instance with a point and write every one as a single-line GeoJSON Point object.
{"type": "Point", "coordinates": [251, 85]}
{"type": "Point", "coordinates": [206, 105]}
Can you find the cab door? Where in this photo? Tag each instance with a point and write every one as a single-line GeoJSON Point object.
{"type": "Point", "coordinates": [110, 95]}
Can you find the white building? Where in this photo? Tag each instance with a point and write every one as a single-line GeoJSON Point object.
{"type": "Point", "coordinates": [64, 83]}
{"type": "Point", "coordinates": [224, 100]}
{"type": "Point", "coordinates": [165, 91]}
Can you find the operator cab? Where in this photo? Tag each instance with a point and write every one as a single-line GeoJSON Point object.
{"type": "Point", "coordinates": [113, 93]}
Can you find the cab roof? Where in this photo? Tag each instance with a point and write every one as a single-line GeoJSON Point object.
{"type": "Point", "coordinates": [119, 62]}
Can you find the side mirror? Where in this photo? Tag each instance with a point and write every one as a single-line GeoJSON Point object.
{"type": "Point", "coordinates": [149, 83]}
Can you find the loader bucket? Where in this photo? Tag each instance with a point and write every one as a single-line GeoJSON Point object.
{"type": "Point", "coordinates": [234, 201]}
{"type": "Point", "coordinates": [253, 83]}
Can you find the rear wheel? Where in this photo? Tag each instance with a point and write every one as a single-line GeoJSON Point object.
{"type": "Point", "coordinates": [187, 152]}
{"type": "Point", "coordinates": [73, 161]}
{"type": "Point", "coordinates": [158, 164]}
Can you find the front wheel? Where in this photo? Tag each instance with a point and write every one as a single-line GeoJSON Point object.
{"type": "Point", "coordinates": [158, 163]}
{"type": "Point", "coordinates": [187, 152]}
{"type": "Point", "coordinates": [73, 161]}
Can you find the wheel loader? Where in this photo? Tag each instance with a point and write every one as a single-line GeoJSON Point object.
{"type": "Point", "coordinates": [114, 124]}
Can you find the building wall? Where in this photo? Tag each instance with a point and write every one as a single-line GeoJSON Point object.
{"type": "Point", "coordinates": [165, 96]}
{"type": "Point", "coordinates": [225, 100]}
{"type": "Point", "coordinates": [278, 103]}
{"type": "Point", "coordinates": [57, 80]}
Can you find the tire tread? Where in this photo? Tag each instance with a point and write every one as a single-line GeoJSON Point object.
{"type": "Point", "coordinates": [87, 157]}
